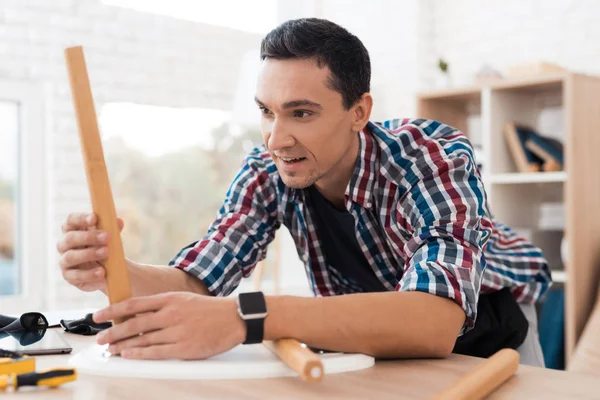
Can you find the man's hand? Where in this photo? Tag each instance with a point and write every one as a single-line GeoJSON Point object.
{"type": "Point", "coordinates": [82, 250]}
{"type": "Point", "coordinates": [172, 325]}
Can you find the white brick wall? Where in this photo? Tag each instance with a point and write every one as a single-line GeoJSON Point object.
{"type": "Point", "coordinates": [132, 57]}
{"type": "Point", "coordinates": [502, 33]}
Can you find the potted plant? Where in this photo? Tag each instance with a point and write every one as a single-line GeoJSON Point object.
{"type": "Point", "coordinates": [444, 74]}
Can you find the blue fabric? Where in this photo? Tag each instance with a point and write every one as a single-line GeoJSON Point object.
{"type": "Point", "coordinates": [552, 328]}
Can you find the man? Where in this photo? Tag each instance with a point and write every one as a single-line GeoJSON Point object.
{"type": "Point", "coordinates": [392, 216]}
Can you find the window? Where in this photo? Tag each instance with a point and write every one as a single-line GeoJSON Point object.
{"type": "Point", "coordinates": [169, 169]}
{"type": "Point", "coordinates": [23, 205]}
{"type": "Point", "coordinates": [9, 133]}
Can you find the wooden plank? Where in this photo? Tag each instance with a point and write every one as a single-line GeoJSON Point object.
{"type": "Point", "coordinates": [582, 194]}
{"type": "Point", "coordinates": [117, 276]}
{"type": "Point", "coordinates": [458, 93]}
{"type": "Point", "coordinates": [586, 357]}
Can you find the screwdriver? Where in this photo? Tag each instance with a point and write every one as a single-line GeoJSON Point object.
{"type": "Point", "coordinates": [50, 378]}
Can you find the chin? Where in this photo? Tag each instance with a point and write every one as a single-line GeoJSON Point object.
{"type": "Point", "coordinates": [297, 182]}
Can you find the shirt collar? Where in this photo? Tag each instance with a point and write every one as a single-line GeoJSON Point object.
{"type": "Point", "coordinates": [362, 184]}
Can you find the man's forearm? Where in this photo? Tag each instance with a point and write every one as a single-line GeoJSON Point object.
{"type": "Point", "coordinates": [393, 324]}
{"type": "Point", "coordinates": [146, 280]}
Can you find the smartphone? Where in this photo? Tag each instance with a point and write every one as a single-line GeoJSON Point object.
{"type": "Point", "coordinates": [51, 343]}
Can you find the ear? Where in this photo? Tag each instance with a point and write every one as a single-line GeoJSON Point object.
{"type": "Point", "coordinates": [361, 112]}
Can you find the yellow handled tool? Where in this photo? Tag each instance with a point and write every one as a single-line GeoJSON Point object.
{"type": "Point", "coordinates": [19, 365]}
{"type": "Point", "coordinates": [50, 378]}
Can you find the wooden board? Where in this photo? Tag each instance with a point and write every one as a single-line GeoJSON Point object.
{"type": "Point", "coordinates": [582, 192]}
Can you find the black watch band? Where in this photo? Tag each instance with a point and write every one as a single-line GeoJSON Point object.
{"type": "Point", "coordinates": [252, 308]}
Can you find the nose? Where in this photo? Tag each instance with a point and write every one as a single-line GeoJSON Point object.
{"type": "Point", "coordinates": [279, 137]}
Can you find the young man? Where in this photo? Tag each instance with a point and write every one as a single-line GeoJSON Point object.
{"type": "Point", "coordinates": [393, 216]}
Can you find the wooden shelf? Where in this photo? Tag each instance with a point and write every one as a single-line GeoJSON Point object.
{"type": "Point", "coordinates": [534, 177]}
{"type": "Point", "coordinates": [463, 93]}
{"type": "Point", "coordinates": [516, 197]}
{"type": "Point", "coordinates": [535, 83]}
{"type": "Point", "coordinates": [530, 83]}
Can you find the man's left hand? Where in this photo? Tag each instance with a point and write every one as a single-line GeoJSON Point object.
{"type": "Point", "coordinates": [177, 325]}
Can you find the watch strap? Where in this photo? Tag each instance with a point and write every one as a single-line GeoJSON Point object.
{"type": "Point", "coordinates": [254, 330]}
{"type": "Point", "coordinates": [252, 308]}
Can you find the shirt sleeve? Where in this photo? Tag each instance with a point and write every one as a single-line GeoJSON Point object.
{"type": "Point", "coordinates": [446, 207]}
{"type": "Point", "coordinates": [238, 238]}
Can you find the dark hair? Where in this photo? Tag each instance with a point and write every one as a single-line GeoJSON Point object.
{"type": "Point", "coordinates": [330, 45]}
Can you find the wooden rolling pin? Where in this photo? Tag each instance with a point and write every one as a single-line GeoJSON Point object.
{"type": "Point", "coordinates": [117, 276]}
{"type": "Point", "coordinates": [298, 357]}
{"type": "Point", "coordinates": [484, 378]}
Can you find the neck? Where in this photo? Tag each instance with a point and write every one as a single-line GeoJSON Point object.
{"type": "Point", "coordinates": [333, 184]}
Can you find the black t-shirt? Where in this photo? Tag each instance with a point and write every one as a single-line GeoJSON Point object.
{"type": "Point", "coordinates": [500, 321]}
{"type": "Point", "coordinates": [336, 231]}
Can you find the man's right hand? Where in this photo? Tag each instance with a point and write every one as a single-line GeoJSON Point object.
{"type": "Point", "coordinates": [83, 248]}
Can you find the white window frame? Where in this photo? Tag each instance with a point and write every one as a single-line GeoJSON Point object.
{"type": "Point", "coordinates": [32, 197]}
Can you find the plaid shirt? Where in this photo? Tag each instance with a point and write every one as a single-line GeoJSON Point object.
{"type": "Point", "coordinates": [421, 215]}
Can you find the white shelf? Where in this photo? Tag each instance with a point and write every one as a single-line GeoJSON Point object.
{"type": "Point", "coordinates": [532, 177]}
{"type": "Point", "coordinates": [559, 276]}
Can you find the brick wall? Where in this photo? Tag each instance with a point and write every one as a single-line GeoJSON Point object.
{"type": "Point", "coordinates": [132, 57]}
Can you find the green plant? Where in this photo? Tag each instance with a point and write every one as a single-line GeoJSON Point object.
{"type": "Point", "coordinates": [443, 66]}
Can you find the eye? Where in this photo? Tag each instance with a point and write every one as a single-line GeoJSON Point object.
{"type": "Point", "coordinates": [264, 111]}
{"type": "Point", "coordinates": [301, 114]}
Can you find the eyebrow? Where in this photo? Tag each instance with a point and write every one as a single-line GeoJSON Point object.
{"type": "Point", "coordinates": [293, 104]}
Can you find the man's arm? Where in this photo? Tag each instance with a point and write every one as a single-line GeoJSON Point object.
{"type": "Point", "coordinates": [406, 324]}
{"type": "Point", "coordinates": [147, 280]}
{"type": "Point", "coordinates": [241, 232]}
{"type": "Point", "coordinates": [392, 325]}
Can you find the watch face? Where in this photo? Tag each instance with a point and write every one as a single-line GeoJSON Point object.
{"type": "Point", "coordinates": [252, 303]}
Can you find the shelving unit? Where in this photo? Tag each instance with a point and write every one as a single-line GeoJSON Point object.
{"type": "Point", "coordinates": [533, 177]}
{"type": "Point", "coordinates": [573, 103]}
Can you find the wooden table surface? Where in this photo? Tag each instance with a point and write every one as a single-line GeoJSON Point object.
{"type": "Point", "coordinates": [406, 379]}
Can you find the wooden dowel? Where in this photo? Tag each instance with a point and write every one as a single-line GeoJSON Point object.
{"type": "Point", "coordinates": [484, 378]}
{"type": "Point", "coordinates": [117, 276]}
{"type": "Point", "coordinates": [298, 357]}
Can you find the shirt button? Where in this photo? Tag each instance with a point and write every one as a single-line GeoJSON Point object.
{"type": "Point", "coordinates": [368, 204]}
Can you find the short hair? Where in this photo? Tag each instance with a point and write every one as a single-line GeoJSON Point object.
{"type": "Point", "coordinates": [330, 45]}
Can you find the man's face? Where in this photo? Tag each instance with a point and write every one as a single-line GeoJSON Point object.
{"type": "Point", "coordinates": [304, 124]}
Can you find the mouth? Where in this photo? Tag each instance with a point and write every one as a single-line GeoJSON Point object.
{"type": "Point", "coordinates": [292, 160]}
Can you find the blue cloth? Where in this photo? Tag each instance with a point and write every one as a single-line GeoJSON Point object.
{"type": "Point", "coordinates": [552, 328]}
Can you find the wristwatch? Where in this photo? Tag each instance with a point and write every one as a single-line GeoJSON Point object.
{"type": "Point", "coordinates": [252, 308]}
